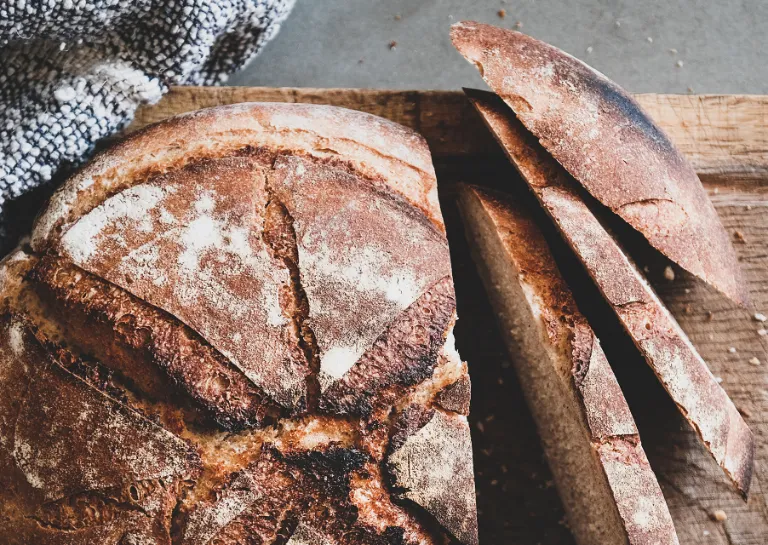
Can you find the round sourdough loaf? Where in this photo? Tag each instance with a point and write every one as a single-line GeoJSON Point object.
{"type": "Point", "coordinates": [236, 327]}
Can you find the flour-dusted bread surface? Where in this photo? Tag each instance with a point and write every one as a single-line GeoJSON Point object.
{"type": "Point", "coordinates": [379, 149]}
{"type": "Point", "coordinates": [602, 137]}
{"type": "Point", "coordinates": [609, 491]}
{"type": "Point", "coordinates": [659, 338]}
{"type": "Point", "coordinates": [216, 332]}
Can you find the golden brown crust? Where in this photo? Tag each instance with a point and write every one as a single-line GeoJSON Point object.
{"type": "Point", "coordinates": [361, 256]}
{"type": "Point", "coordinates": [67, 437]}
{"type": "Point", "coordinates": [196, 269]}
{"type": "Point", "coordinates": [607, 142]}
{"type": "Point", "coordinates": [190, 242]}
{"type": "Point", "coordinates": [584, 373]}
{"type": "Point", "coordinates": [657, 335]}
{"type": "Point", "coordinates": [383, 151]}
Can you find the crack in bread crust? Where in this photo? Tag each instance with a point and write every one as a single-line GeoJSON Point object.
{"type": "Point", "coordinates": [280, 235]}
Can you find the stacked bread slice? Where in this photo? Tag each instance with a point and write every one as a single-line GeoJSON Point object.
{"type": "Point", "coordinates": [567, 129]}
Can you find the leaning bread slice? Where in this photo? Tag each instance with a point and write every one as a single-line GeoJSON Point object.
{"type": "Point", "coordinates": [608, 488]}
{"type": "Point", "coordinates": [607, 142]}
{"type": "Point", "coordinates": [662, 342]}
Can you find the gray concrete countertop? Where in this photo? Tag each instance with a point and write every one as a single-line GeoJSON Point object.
{"type": "Point", "coordinates": [701, 46]}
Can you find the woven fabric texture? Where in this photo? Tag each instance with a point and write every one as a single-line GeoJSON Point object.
{"type": "Point", "coordinates": [74, 71]}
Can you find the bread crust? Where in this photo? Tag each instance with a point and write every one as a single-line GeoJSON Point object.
{"type": "Point", "coordinates": [579, 365]}
{"type": "Point", "coordinates": [604, 139]}
{"type": "Point", "coordinates": [61, 419]}
{"type": "Point", "coordinates": [145, 343]}
{"type": "Point", "coordinates": [658, 337]}
{"type": "Point", "coordinates": [214, 265]}
{"type": "Point", "coordinates": [383, 151]}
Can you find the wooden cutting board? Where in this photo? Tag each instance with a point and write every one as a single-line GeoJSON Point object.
{"type": "Point", "coordinates": [726, 139]}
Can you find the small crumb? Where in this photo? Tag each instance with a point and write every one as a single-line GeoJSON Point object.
{"type": "Point", "coordinates": [647, 269]}
{"type": "Point", "coordinates": [519, 24]}
{"type": "Point", "coordinates": [762, 332]}
{"type": "Point", "coordinates": [490, 417]}
{"type": "Point", "coordinates": [501, 13]}
{"type": "Point", "coordinates": [732, 349]}
{"type": "Point", "coordinates": [705, 533]}
{"type": "Point", "coordinates": [494, 482]}
{"type": "Point", "coordinates": [504, 468]}
{"type": "Point", "coordinates": [618, 23]}
{"type": "Point", "coordinates": [719, 515]}
{"type": "Point", "coordinates": [589, 49]}
{"type": "Point", "coordinates": [500, 381]}
{"type": "Point", "coordinates": [711, 336]}
{"type": "Point", "coordinates": [687, 290]}
{"type": "Point", "coordinates": [710, 315]}
{"type": "Point", "coordinates": [361, 61]}
{"type": "Point", "coordinates": [679, 64]}
{"type": "Point", "coordinates": [716, 190]}
{"type": "Point", "coordinates": [480, 427]}
{"type": "Point", "coordinates": [744, 412]}
{"type": "Point", "coordinates": [398, 17]}
{"type": "Point", "coordinates": [739, 236]}
{"type": "Point", "coordinates": [669, 273]}
{"type": "Point", "coordinates": [650, 40]}
{"type": "Point", "coordinates": [487, 452]}
{"type": "Point", "coordinates": [687, 309]}
{"type": "Point", "coordinates": [754, 361]}
{"type": "Point", "coordinates": [672, 50]}
{"type": "Point", "coordinates": [393, 45]}
{"type": "Point", "coordinates": [690, 89]}
{"type": "Point", "coordinates": [759, 317]}
{"type": "Point", "coordinates": [748, 207]}
{"type": "Point", "coordinates": [719, 380]}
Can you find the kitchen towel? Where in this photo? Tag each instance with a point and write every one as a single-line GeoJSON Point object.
{"type": "Point", "coordinates": [75, 71]}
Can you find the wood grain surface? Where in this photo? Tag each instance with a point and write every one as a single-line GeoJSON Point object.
{"type": "Point", "coordinates": [726, 139]}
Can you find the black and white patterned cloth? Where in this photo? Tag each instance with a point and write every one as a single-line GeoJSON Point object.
{"type": "Point", "coordinates": [74, 71]}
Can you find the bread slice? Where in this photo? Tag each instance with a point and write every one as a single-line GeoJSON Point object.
{"type": "Point", "coordinates": [589, 436]}
{"type": "Point", "coordinates": [657, 335]}
{"type": "Point", "coordinates": [256, 299]}
{"type": "Point", "coordinates": [604, 139]}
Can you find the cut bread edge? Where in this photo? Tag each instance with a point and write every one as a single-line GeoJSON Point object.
{"type": "Point", "coordinates": [607, 486]}
{"type": "Point", "coordinates": [605, 140]}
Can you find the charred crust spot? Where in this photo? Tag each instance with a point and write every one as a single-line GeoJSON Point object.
{"type": "Point", "coordinates": [404, 355]}
{"type": "Point", "coordinates": [330, 468]}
